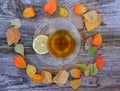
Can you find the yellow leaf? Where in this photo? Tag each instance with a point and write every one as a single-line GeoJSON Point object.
{"type": "Point", "coordinates": [90, 26]}
{"type": "Point", "coordinates": [30, 70]}
{"type": "Point", "coordinates": [75, 84]}
{"type": "Point", "coordinates": [91, 16]}
{"type": "Point", "coordinates": [63, 12]}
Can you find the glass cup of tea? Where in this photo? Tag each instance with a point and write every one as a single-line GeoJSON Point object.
{"type": "Point", "coordinates": [63, 41]}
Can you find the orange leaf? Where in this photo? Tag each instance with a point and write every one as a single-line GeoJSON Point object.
{"type": "Point", "coordinates": [100, 62]}
{"type": "Point", "coordinates": [79, 9]}
{"type": "Point", "coordinates": [37, 78]}
{"type": "Point", "coordinates": [13, 35]}
{"type": "Point", "coordinates": [19, 62]}
{"type": "Point", "coordinates": [76, 73]}
{"type": "Point", "coordinates": [29, 12]}
{"type": "Point", "coordinates": [50, 7]}
{"type": "Point", "coordinates": [97, 40]}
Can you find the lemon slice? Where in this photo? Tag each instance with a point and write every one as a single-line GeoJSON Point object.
{"type": "Point", "coordinates": [40, 44]}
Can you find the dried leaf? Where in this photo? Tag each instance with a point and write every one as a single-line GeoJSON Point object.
{"type": "Point", "coordinates": [75, 84]}
{"type": "Point", "coordinates": [29, 12]}
{"type": "Point", "coordinates": [93, 50]}
{"type": "Point", "coordinates": [91, 16]}
{"type": "Point", "coordinates": [97, 40]}
{"type": "Point", "coordinates": [76, 73]}
{"type": "Point", "coordinates": [50, 7]}
{"type": "Point", "coordinates": [30, 70]}
{"type": "Point", "coordinates": [91, 26]}
{"type": "Point", "coordinates": [100, 62]}
{"type": "Point", "coordinates": [88, 43]}
{"type": "Point", "coordinates": [19, 48]}
{"type": "Point", "coordinates": [13, 35]}
{"type": "Point", "coordinates": [79, 9]}
{"type": "Point", "coordinates": [83, 36]}
{"type": "Point", "coordinates": [37, 78]}
{"type": "Point", "coordinates": [46, 77]}
{"type": "Point", "coordinates": [63, 12]}
{"type": "Point", "coordinates": [80, 29]}
{"type": "Point", "coordinates": [61, 78]}
{"type": "Point", "coordinates": [19, 62]}
{"type": "Point", "coordinates": [9, 42]}
{"type": "Point", "coordinates": [83, 67]}
{"type": "Point", "coordinates": [16, 23]}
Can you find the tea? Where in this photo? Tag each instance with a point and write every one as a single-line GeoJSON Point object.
{"type": "Point", "coordinates": [61, 44]}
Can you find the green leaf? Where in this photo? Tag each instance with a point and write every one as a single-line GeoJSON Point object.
{"type": "Point", "coordinates": [93, 50]}
{"type": "Point", "coordinates": [95, 70]}
{"type": "Point", "coordinates": [9, 42]}
{"type": "Point", "coordinates": [89, 70]}
{"type": "Point", "coordinates": [63, 12]}
{"type": "Point", "coordinates": [86, 73]}
{"type": "Point", "coordinates": [19, 48]}
{"type": "Point", "coordinates": [83, 67]}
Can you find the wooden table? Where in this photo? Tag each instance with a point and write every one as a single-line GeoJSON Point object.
{"type": "Point", "coordinates": [14, 79]}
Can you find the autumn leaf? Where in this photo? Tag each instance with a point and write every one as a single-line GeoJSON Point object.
{"type": "Point", "coordinates": [50, 7]}
{"type": "Point", "coordinates": [97, 40]}
{"type": "Point", "coordinates": [75, 84]}
{"type": "Point", "coordinates": [9, 42]}
{"type": "Point", "coordinates": [92, 16]}
{"type": "Point", "coordinates": [37, 78]}
{"type": "Point", "coordinates": [13, 35]}
{"type": "Point", "coordinates": [46, 77]}
{"type": "Point", "coordinates": [89, 70]}
{"type": "Point", "coordinates": [19, 48]}
{"type": "Point", "coordinates": [29, 12]}
{"type": "Point", "coordinates": [83, 36]}
{"type": "Point", "coordinates": [63, 12]}
{"type": "Point", "coordinates": [30, 70]}
{"type": "Point", "coordinates": [92, 20]}
{"type": "Point", "coordinates": [88, 43]}
{"type": "Point", "coordinates": [79, 9]}
{"type": "Point", "coordinates": [100, 62]}
{"type": "Point", "coordinates": [76, 73]}
{"type": "Point", "coordinates": [16, 23]}
{"type": "Point", "coordinates": [19, 62]}
{"type": "Point", "coordinates": [61, 78]}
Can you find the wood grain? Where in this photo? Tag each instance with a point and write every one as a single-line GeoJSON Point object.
{"type": "Point", "coordinates": [14, 79]}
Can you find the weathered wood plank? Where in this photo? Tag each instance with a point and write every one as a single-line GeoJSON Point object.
{"type": "Point", "coordinates": [107, 78]}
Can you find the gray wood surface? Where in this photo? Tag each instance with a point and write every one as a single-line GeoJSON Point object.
{"type": "Point", "coordinates": [14, 79]}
